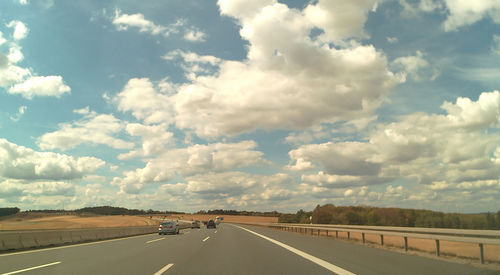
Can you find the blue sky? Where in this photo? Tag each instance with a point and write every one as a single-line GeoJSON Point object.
{"type": "Point", "coordinates": [256, 105]}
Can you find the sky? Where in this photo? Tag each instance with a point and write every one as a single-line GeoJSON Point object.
{"type": "Point", "coordinates": [250, 105]}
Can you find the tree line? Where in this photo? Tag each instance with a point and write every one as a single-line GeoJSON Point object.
{"type": "Point", "coordinates": [366, 215]}
{"type": "Point", "coordinates": [106, 210]}
{"type": "Point", "coordinates": [7, 211]}
{"type": "Point", "coordinates": [239, 213]}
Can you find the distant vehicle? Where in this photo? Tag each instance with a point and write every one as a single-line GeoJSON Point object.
{"type": "Point", "coordinates": [168, 227]}
{"type": "Point", "coordinates": [195, 224]}
{"type": "Point", "coordinates": [211, 224]}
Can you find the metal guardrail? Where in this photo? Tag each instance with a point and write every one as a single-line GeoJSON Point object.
{"type": "Point", "coordinates": [479, 237]}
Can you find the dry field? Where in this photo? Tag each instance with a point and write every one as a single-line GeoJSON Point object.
{"type": "Point", "coordinates": [454, 249]}
{"type": "Point", "coordinates": [70, 221]}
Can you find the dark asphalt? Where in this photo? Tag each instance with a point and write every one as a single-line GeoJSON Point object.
{"type": "Point", "coordinates": [229, 251]}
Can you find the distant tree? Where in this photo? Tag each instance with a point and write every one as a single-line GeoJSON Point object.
{"type": "Point", "coordinates": [7, 211]}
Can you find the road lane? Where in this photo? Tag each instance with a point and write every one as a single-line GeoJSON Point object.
{"type": "Point", "coordinates": [362, 259]}
{"type": "Point", "coordinates": [231, 250]}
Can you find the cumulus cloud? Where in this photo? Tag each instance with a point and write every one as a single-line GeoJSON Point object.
{"type": "Point", "coordinates": [40, 86]}
{"type": "Point", "coordinates": [464, 13]}
{"type": "Point", "coordinates": [147, 102]}
{"type": "Point", "coordinates": [217, 157]}
{"type": "Point", "coordinates": [125, 21]}
{"type": "Point", "coordinates": [458, 147]}
{"type": "Point", "coordinates": [19, 114]}
{"type": "Point", "coordinates": [24, 81]}
{"type": "Point", "coordinates": [18, 162]}
{"type": "Point", "coordinates": [20, 29]}
{"type": "Point", "coordinates": [92, 129]}
{"type": "Point", "coordinates": [233, 189]}
{"type": "Point", "coordinates": [195, 35]}
{"type": "Point", "coordinates": [459, 13]}
{"type": "Point", "coordinates": [288, 81]}
{"type": "Point", "coordinates": [340, 19]}
{"type": "Point", "coordinates": [416, 67]}
{"type": "Point", "coordinates": [2, 39]}
{"type": "Point", "coordinates": [154, 139]}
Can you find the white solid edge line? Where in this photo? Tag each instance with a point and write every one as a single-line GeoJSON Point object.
{"type": "Point", "coordinates": [165, 268]}
{"type": "Point", "coordinates": [31, 268]}
{"type": "Point", "coordinates": [155, 240]}
{"type": "Point", "coordinates": [309, 257]}
{"type": "Point", "coordinates": [72, 245]}
{"type": "Point", "coordinates": [206, 239]}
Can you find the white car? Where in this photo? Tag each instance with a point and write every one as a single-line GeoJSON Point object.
{"type": "Point", "coordinates": [168, 227]}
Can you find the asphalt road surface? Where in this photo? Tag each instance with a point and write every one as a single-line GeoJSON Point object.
{"type": "Point", "coordinates": [229, 249]}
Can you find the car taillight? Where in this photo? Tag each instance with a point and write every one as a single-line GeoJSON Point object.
{"type": "Point", "coordinates": [170, 226]}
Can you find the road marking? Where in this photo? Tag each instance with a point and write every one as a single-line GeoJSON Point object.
{"type": "Point", "coordinates": [156, 240]}
{"type": "Point", "coordinates": [318, 261]}
{"type": "Point", "coordinates": [72, 245]}
{"type": "Point", "coordinates": [206, 239]}
{"type": "Point", "coordinates": [165, 268]}
{"type": "Point", "coordinates": [31, 268]}
{"type": "Point", "coordinates": [215, 231]}
{"type": "Point", "coordinates": [187, 232]}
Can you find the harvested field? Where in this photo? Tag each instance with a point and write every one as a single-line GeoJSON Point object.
{"type": "Point", "coordinates": [48, 221]}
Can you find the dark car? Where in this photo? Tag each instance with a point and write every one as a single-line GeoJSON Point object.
{"type": "Point", "coordinates": [195, 224]}
{"type": "Point", "coordinates": [211, 224]}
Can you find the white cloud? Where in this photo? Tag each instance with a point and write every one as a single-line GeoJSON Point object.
{"type": "Point", "coordinates": [40, 86]}
{"type": "Point", "coordinates": [416, 67]}
{"type": "Point", "coordinates": [12, 74]}
{"type": "Point", "coordinates": [124, 21]}
{"type": "Point", "coordinates": [464, 13]}
{"type": "Point", "coordinates": [20, 29]}
{"type": "Point", "coordinates": [459, 13]}
{"type": "Point", "coordinates": [458, 148]}
{"type": "Point", "coordinates": [232, 189]}
{"type": "Point", "coordinates": [15, 55]}
{"type": "Point", "coordinates": [392, 40]}
{"type": "Point", "coordinates": [287, 82]}
{"type": "Point", "coordinates": [93, 129]}
{"type": "Point", "coordinates": [18, 162]}
{"type": "Point", "coordinates": [154, 139]}
{"type": "Point", "coordinates": [2, 39]}
{"type": "Point", "coordinates": [195, 35]}
{"type": "Point", "coordinates": [217, 157]}
{"type": "Point", "coordinates": [145, 101]}
{"type": "Point", "coordinates": [23, 2]}
{"type": "Point", "coordinates": [19, 114]}
{"type": "Point", "coordinates": [348, 192]}
{"type": "Point", "coordinates": [340, 19]}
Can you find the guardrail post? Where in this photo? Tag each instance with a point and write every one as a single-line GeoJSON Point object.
{"type": "Point", "coordinates": [481, 253]}
{"type": "Point", "coordinates": [381, 239]}
{"type": "Point", "coordinates": [348, 235]}
{"type": "Point", "coordinates": [327, 232]}
{"type": "Point", "coordinates": [336, 234]}
{"type": "Point", "coordinates": [437, 248]}
{"type": "Point", "coordinates": [363, 236]}
{"type": "Point", "coordinates": [406, 244]}
{"type": "Point", "coordinates": [312, 231]}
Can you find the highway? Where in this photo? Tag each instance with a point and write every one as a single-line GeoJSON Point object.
{"type": "Point", "coordinates": [229, 249]}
